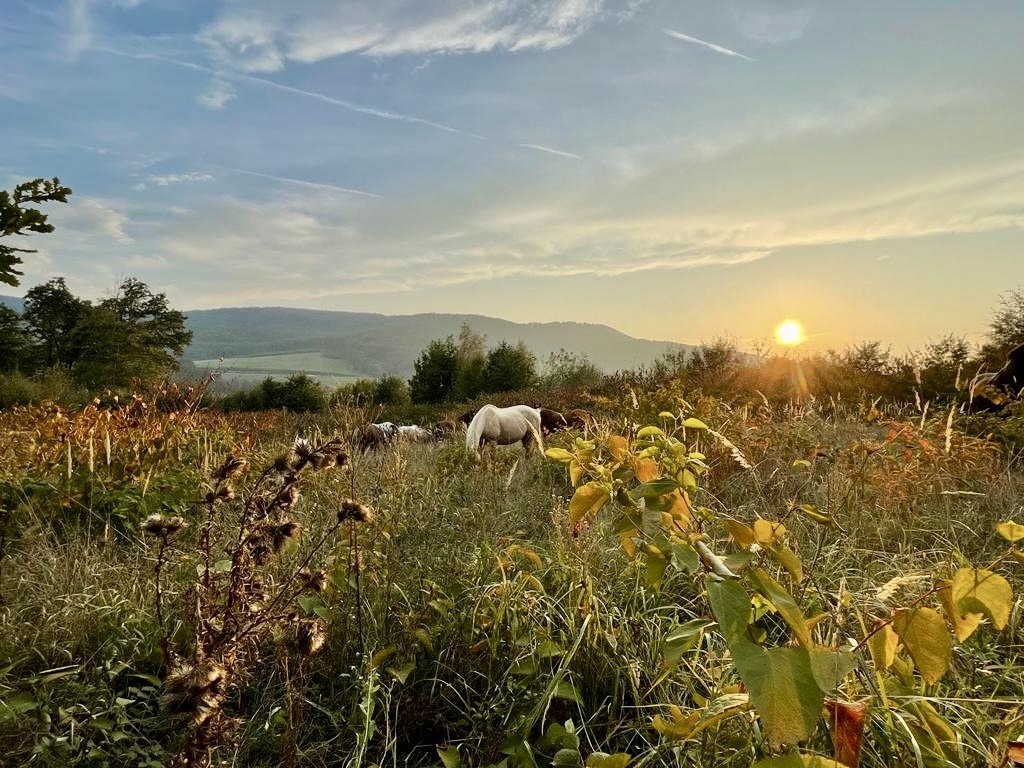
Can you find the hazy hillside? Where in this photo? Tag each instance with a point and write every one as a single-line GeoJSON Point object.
{"type": "Point", "coordinates": [256, 341]}
{"type": "Point", "coordinates": [366, 344]}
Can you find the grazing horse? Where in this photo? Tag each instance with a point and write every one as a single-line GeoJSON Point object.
{"type": "Point", "coordinates": [445, 429]}
{"type": "Point", "coordinates": [375, 436]}
{"type": "Point", "coordinates": [579, 417]}
{"type": "Point", "coordinates": [504, 426]}
{"type": "Point", "coordinates": [551, 420]}
{"type": "Point", "coordinates": [992, 391]}
{"type": "Point", "coordinates": [414, 434]}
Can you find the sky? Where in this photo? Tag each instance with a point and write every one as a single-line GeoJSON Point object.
{"type": "Point", "coordinates": [678, 170]}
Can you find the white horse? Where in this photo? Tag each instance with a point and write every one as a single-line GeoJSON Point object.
{"type": "Point", "coordinates": [414, 434]}
{"type": "Point", "coordinates": [504, 426]}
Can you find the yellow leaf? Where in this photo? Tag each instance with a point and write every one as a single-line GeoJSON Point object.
{"type": "Point", "coordinates": [381, 656]}
{"type": "Point", "coordinates": [680, 509]}
{"type": "Point", "coordinates": [676, 725]}
{"type": "Point", "coordinates": [576, 472]}
{"type": "Point", "coordinates": [1010, 531]}
{"type": "Point", "coordinates": [925, 636]}
{"type": "Point", "coordinates": [788, 559]}
{"type": "Point", "coordinates": [558, 454]}
{"type": "Point", "coordinates": [646, 469]}
{"type": "Point", "coordinates": [587, 501]}
{"type": "Point", "coordinates": [767, 532]}
{"type": "Point", "coordinates": [882, 646]}
{"type": "Point", "coordinates": [741, 534]}
{"type": "Point", "coordinates": [650, 432]}
{"type": "Point", "coordinates": [666, 415]}
{"type": "Point", "coordinates": [617, 446]}
{"type": "Point", "coordinates": [627, 542]}
{"type": "Point", "coordinates": [976, 591]}
{"type": "Point", "coordinates": [692, 423]}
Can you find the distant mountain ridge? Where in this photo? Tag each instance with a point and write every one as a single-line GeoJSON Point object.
{"type": "Point", "coordinates": [258, 341]}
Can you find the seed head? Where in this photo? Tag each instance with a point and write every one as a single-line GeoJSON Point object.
{"type": "Point", "coordinates": [281, 533]}
{"type": "Point", "coordinates": [194, 692]}
{"type": "Point", "coordinates": [310, 636]}
{"type": "Point", "coordinates": [314, 579]}
{"type": "Point", "coordinates": [353, 510]}
{"type": "Point", "coordinates": [232, 466]}
{"type": "Point", "coordinates": [162, 525]}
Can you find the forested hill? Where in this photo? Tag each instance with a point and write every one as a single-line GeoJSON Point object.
{"type": "Point", "coordinates": [281, 340]}
{"type": "Point", "coordinates": [373, 344]}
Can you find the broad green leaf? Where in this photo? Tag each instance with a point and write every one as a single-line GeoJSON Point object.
{"type": "Point", "coordinates": [401, 673]}
{"type": "Point", "coordinates": [604, 760]}
{"type": "Point", "coordinates": [559, 454]}
{"type": "Point", "coordinates": [683, 638]}
{"type": "Point", "coordinates": [926, 638]}
{"type": "Point", "coordinates": [587, 501]}
{"type": "Point", "coordinates": [655, 563]}
{"type": "Point", "coordinates": [782, 689]}
{"type": "Point", "coordinates": [650, 431]}
{"type": "Point", "coordinates": [654, 488]}
{"type": "Point", "coordinates": [566, 690]}
{"type": "Point", "coordinates": [830, 667]}
{"type": "Point", "coordinates": [692, 423]}
{"type": "Point", "coordinates": [567, 758]}
{"type": "Point", "coordinates": [450, 757]}
{"type": "Point", "coordinates": [784, 604]}
{"type": "Point", "coordinates": [1011, 531]}
{"type": "Point", "coordinates": [686, 557]}
{"type": "Point", "coordinates": [666, 415]}
{"type": "Point", "coordinates": [381, 656]}
{"type": "Point", "coordinates": [15, 704]}
{"type": "Point", "coordinates": [789, 560]}
{"type": "Point", "coordinates": [731, 605]}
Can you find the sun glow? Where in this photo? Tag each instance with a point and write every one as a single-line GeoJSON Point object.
{"type": "Point", "coordinates": [790, 333]}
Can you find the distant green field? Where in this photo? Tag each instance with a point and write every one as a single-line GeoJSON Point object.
{"type": "Point", "coordinates": [330, 371]}
{"type": "Point", "coordinates": [310, 362]}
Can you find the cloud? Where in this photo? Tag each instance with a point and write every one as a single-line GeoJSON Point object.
{"type": "Point", "coordinates": [551, 151]}
{"type": "Point", "coordinates": [263, 35]}
{"type": "Point", "coordinates": [91, 218]}
{"type": "Point", "coordinates": [383, 114]}
{"type": "Point", "coordinates": [218, 93]}
{"type": "Point", "coordinates": [307, 184]}
{"type": "Point", "coordinates": [179, 178]}
{"type": "Point", "coordinates": [704, 43]}
{"type": "Point", "coordinates": [772, 27]}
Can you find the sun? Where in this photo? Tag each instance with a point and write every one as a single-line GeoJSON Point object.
{"type": "Point", "coordinates": [790, 333]}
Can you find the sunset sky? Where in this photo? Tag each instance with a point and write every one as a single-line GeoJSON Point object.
{"type": "Point", "coordinates": [677, 170]}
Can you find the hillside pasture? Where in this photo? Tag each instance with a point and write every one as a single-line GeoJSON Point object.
{"type": "Point", "coordinates": [522, 610]}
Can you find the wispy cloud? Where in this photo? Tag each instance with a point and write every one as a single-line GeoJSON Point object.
{"type": "Point", "coordinates": [383, 114]}
{"type": "Point", "coordinates": [263, 35]}
{"type": "Point", "coordinates": [710, 46]}
{"type": "Point", "coordinates": [307, 184]}
{"type": "Point", "coordinates": [179, 178]}
{"type": "Point", "coordinates": [772, 27]}
{"type": "Point", "coordinates": [550, 151]}
{"type": "Point", "coordinates": [218, 93]}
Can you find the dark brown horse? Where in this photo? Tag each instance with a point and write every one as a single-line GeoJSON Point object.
{"type": "Point", "coordinates": [580, 418]}
{"type": "Point", "coordinates": [551, 420]}
{"type": "Point", "coordinates": [992, 391]}
{"type": "Point", "coordinates": [374, 436]}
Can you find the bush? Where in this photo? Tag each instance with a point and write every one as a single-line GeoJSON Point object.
{"type": "Point", "coordinates": [299, 393]}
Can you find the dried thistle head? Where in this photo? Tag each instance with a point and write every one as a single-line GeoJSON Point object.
{"type": "Point", "coordinates": [232, 466]}
{"type": "Point", "coordinates": [353, 510]}
{"type": "Point", "coordinates": [193, 693]}
{"type": "Point", "coordinates": [287, 498]}
{"type": "Point", "coordinates": [281, 533]}
{"type": "Point", "coordinates": [314, 579]}
{"type": "Point", "coordinates": [308, 636]}
{"type": "Point", "coordinates": [163, 525]}
{"type": "Point", "coordinates": [282, 463]}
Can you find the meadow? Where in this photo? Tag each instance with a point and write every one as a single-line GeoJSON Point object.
{"type": "Point", "coordinates": [694, 582]}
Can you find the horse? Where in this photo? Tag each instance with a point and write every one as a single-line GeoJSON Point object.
{"type": "Point", "coordinates": [504, 426]}
{"type": "Point", "coordinates": [445, 429]}
{"type": "Point", "coordinates": [551, 420]}
{"type": "Point", "coordinates": [581, 418]}
{"type": "Point", "coordinates": [373, 436]}
{"type": "Point", "coordinates": [414, 434]}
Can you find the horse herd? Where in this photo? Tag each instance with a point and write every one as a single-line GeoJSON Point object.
{"type": "Point", "coordinates": [488, 425]}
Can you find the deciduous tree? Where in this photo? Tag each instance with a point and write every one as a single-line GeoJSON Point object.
{"type": "Point", "coordinates": [18, 218]}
